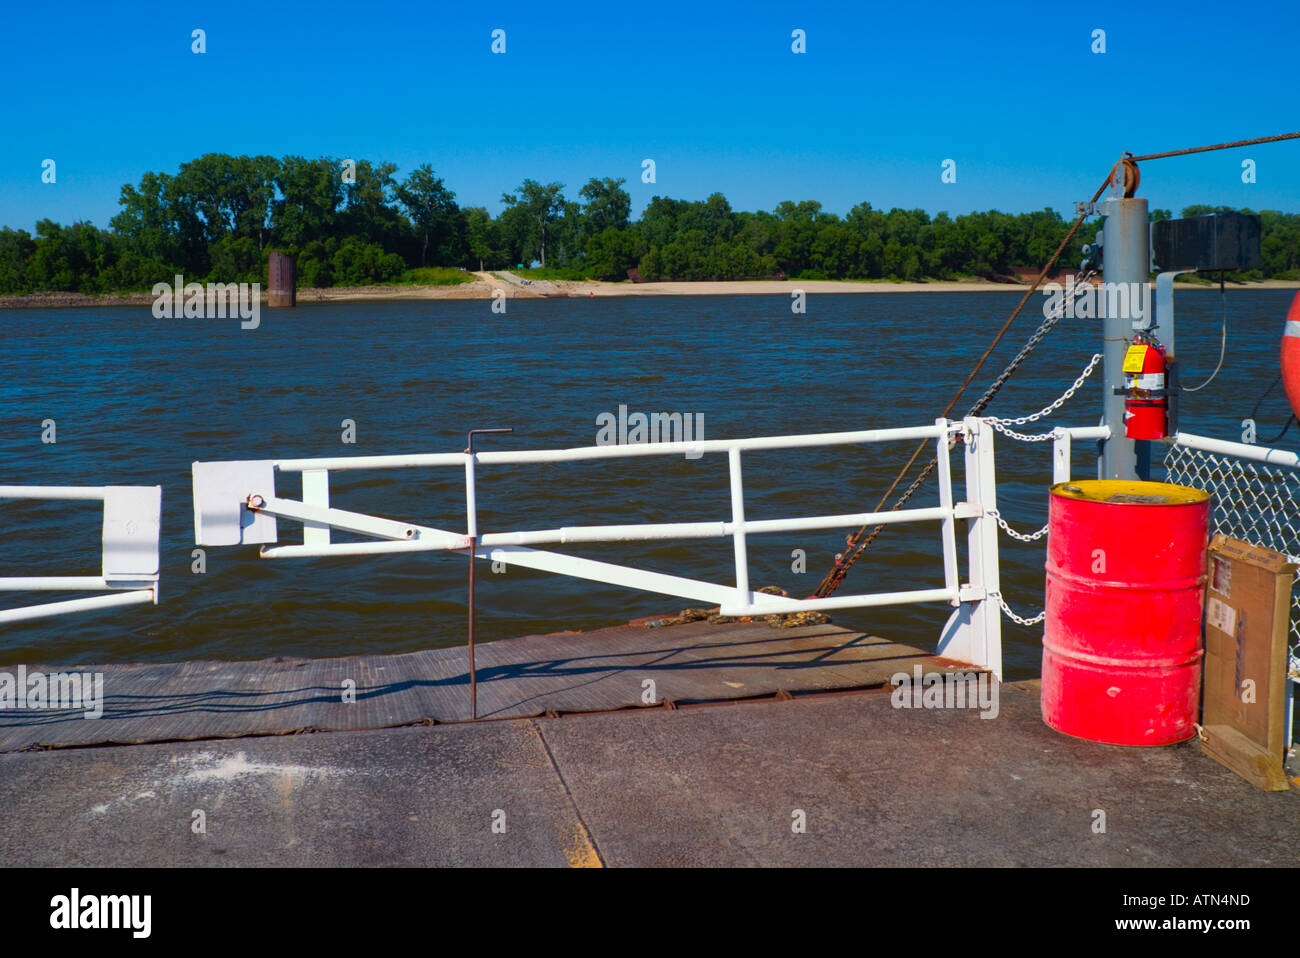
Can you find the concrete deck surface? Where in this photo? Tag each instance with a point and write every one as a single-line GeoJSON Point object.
{"type": "Point", "coordinates": [716, 785]}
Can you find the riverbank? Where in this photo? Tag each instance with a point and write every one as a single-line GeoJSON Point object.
{"type": "Point", "coordinates": [485, 284]}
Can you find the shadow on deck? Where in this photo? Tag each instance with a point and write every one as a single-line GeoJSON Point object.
{"type": "Point", "coordinates": [564, 672]}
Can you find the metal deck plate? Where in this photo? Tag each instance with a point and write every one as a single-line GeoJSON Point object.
{"type": "Point", "coordinates": [517, 678]}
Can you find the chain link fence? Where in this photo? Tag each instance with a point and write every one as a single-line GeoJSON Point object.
{"type": "Point", "coordinates": [1254, 502]}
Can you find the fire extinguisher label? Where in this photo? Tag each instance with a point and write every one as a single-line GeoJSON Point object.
{"type": "Point", "coordinates": [1135, 357]}
{"type": "Point", "coordinates": [1149, 381]}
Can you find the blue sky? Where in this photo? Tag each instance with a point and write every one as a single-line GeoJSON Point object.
{"type": "Point", "coordinates": [710, 91]}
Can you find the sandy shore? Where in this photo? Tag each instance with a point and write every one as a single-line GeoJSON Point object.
{"type": "Point", "coordinates": [485, 285]}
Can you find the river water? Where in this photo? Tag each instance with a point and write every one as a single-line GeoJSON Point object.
{"type": "Point", "coordinates": [135, 400]}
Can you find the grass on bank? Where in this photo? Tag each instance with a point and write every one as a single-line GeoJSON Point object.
{"type": "Point", "coordinates": [434, 276]}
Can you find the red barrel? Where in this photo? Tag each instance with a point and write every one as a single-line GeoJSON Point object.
{"type": "Point", "coordinates": [1122, 636]}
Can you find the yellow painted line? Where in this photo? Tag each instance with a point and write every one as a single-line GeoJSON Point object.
{"type": "Point", "coordinates": [579, 852]}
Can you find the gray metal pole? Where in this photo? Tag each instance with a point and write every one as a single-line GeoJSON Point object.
{"type": "Point", "coordinates": [1126, 259]}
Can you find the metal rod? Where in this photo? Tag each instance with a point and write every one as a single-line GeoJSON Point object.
{"type": "Point", "coordinates": [71, 583]}
{"type": "Point", "coordinates": [52, 492]}
{"type": "Point", "coordinates": [1275, 457]}
{"type": "Point", "coordinates": [327, 518]}
{"type": "Point", "coordinates": [738, 527]}
{"type": "Point", "coordinates": [473, 672]}
{"type": "Point", "coordinates": [949, 529]}
{"type": "Point", "coordinates": [434, 540]}
{"type": "Point", "coordinates": [701, 530]}
{"type": "Point", "coordinates": [1217, 146]}
{"type": "Point", "coordinates": [78, 605]}
{"type": "Point", "coordinates": [781, 605]}
{"type": "Point", "coordinates": [429, 540]}
{"type": "Point", "coordinates": [630, 451]}
{"type": "Point", "coordinates": [471, 524]}
{"type": "Point", "coordinates": [1085, 432]}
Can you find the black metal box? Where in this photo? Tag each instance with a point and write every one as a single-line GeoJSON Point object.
{"type": "Point", "coordinates": [1211, 242]}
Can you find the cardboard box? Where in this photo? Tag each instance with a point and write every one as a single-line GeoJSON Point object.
{"type": "Point", "coordinates": [1247, 623]}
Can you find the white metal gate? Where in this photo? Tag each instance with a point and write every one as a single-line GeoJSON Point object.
{"type": "Point", "coordinates": [236, 502]}
{"type": "Point", "coordinates": [129, 570]}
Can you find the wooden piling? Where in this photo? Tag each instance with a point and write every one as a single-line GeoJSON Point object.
{"type": "Point", "coordinates": [282, 280]}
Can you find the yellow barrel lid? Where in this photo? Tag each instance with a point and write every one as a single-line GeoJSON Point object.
{"type": "Point", "coordinates": [1129, 492]}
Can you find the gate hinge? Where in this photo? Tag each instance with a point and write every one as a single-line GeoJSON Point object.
{"type": "Point", "coordinates": [967, 510]}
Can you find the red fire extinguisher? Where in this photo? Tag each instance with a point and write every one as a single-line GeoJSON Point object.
{"type": "Point", "coordinates": [1146, 403]}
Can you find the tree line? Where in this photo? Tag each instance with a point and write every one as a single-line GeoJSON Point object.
{"type": "Point", "coordinates": [357, 223]}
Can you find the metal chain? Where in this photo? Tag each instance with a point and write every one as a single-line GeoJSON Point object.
{"type": "Point", "coordinates": [1048, 410]}
{"type": "Point", "coordinates": [1022, 436]}
{"type": "Point", "coordinates": [1043, 329]}
{"type": "Point", "coordinates": [856, 548]}
{"type": "Point", "coordinates": [1023, 537]}
{"type": "Point", "coordinates": [1002, 425]}
{"type": "Point", "coordinates": [1012, 616]}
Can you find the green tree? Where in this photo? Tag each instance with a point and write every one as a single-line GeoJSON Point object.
{"type": "Point", "coordinates": [149, 221]}
{"type": "Point", "coordinates": [612, 252]}
{"type": "Point", "coordinates": [370, 211]}
{"type": "Point", "coordinates": [16, 250]}
{"type": "Point", "coordinates": [485, 244]}
{"type": "Point", "coordinates": [607, 205]}
{"type": "Point", "coordinates": [834, 250]}
{"type": "Point", "coordinates": [658, 224]}
{"type": "Point", "coordinates": [80, 257]}
{"type": "Point", "coordinates": [217, 215]}
{"type": "Point", "coordinates": [311, 193]}
{"type": "Point", "coordinates": [1280, 244]}
{"type": "Point", "coordinates": [712, 217]}
{"type": "Point", "coordinates": [232, 195]}
{"type": "Point", "coordinates": [651, 265]}
{"type": "Point", "coordinates": [797, 233]}
{"type": "Point", "coordinates": [432, 209]}
{"type": "Point", "coordinates": [358, 263]}
{"type": "Point", "coordinates": [530, 212]}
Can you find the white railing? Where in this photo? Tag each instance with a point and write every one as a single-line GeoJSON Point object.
{"type": "Point", "coordinates": [130, 551]}
{"type": "Point", "coordinates": [1062, 447]}
{"type": "Point", "coordinates": [236, 502]}
{"type": "Point", "coordinates": [1239, 450]}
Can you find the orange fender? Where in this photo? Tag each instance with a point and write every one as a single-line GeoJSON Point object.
{"type": "Point", "coordinates": [1291, 355]}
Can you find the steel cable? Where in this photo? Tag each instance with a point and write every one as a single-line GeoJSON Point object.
{"type": "Point", "coordinates": [856, 545]}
